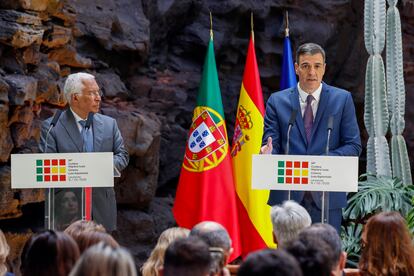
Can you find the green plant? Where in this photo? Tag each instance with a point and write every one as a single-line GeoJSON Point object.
{"type": "Point", "coordinates": [351, 243]}
{"type": "Point", "coordinates": [379, 193]}
{"type": "Point", "coordinates": [410, 218]}
{"type": "Point", "coordinates": [375, 194]}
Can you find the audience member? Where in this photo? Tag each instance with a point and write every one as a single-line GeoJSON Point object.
{"type": "Point", "coordinates": [186, 257]}
{"type": "Point", "coordinates": [288, 220]}
{"type": "Point", "coordinates": [270, 262]}
{"type": "Point", "coordinates": [328, 233]}
{"type": "Point", "coordinates": [313, 254]}
{"type": "Point", "coordinates": [387, 246]}
{"type": "Point", "coordinates": [104, 260]}
{"type": "Point", "coordinates": [49, 253]}
{"type": "Point", "coordinates": [80, 226]}
{"type": "Point", "coordinates": [4, 252]}
{"type": "Point", "coordinates": [219, 242]}
{"type": "Point", "coordinates": [88, 233]}
{"type": "Point", "coordinates": [156, 259]}
{"type": "Point", "coordinates": [89, 238]}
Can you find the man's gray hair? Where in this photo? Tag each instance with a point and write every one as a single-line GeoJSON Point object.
{"type": "Point", "coordinates": [288, 220]}
{"type": "Point", "coordinates": [74, 85]}
{"type": "Point", "coordinates": [309, 49]}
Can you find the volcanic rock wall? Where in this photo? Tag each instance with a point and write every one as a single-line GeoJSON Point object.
{"type": "Point", "coordinates": [147, 56]}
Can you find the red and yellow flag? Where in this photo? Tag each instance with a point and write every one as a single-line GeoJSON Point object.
{"type": "Point", "coordinates": [254, 213]}
{"type": "Point", "coordinates": [206, 190]}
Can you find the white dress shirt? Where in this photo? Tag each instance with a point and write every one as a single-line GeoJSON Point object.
{"type": "Point", "coordinates": [315, 103]}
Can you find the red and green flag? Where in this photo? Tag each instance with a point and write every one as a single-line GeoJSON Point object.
{"type": "Point", "coordinates": [254, 213]}
{"type": "Point", "coordinates": [206, 190]}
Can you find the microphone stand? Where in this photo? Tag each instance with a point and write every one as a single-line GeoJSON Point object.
{"type": "Point", "coordinates": [325, 195]}
{"type": "Point", "coordinates": [50, 194]}
{"type": "Point", "coordinates": [291, 122]}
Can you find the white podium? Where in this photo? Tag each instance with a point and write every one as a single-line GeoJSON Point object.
{"type": "Point", "coordinates": [65, 176]}
{"type": "Point", "coordinates": [306, 173]}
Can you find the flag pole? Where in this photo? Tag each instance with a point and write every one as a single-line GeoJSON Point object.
{"type": "Point", "coordinates": [251, 25]}
{"type": "Point", "coordinates": [211, 26]}
{"type": "Point", "coordinates": [286, 23]}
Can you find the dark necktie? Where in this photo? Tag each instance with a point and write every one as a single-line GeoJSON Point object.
{"type": "Point", "coordinates": [308, 117]}
{"type": "Point", "coordinates": [86, 137]}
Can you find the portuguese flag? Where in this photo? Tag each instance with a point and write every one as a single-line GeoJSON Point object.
{"type": "Point", "coordinates": [206, 190]}
{"type": "Point", "coordinates": [254, 213]}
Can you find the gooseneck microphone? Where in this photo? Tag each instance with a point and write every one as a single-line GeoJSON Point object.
{"type": "Point", "coordinates": [290, 125]}
{"type": "Point", "coordinates": [329, 129]}
{"type": "Point", "coordinates": [53, 123]}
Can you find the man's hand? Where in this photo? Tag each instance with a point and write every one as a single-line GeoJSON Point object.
{"type": "Point", "coordinates": [268, 148]}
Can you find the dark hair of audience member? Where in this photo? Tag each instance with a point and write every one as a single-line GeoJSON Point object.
{"type": "Point", "coordinates": [4, 252]}
{"type": "Point", "coordinates": [105, 260]}
{"type": "Point", "coordinates": [387, 246]}
{"type": "Point", "coordinates": [327, 233]}
{"type": "Point", "coordinates": [270, 262]}
{"type": "Point", "coordinates": [89, 238]}
{"type": "Point", "coordinates": [187, 257]}
{"type": "Point", "coordinates": [49, 253]}
{"type": "Point", "coordinates": [313, 254]}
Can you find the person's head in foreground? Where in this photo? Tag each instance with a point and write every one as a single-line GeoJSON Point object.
{"type": "Point", "coordinates": [104, 260]}
{"type": "Point", "coordinates": [187, 257]}
{"type": "Point", "coordinates": [313, 254]}
{"type": "Point", "coordinates": [387, 246]}
{"type": "Point", "coordinates": [49, 253]}
{"type": "Point", "coordinates": [270, 262]}
{"type": "Point", "coordinates": [156, 259]}
{"type": "Point", "coordinates": [219, 242]}
{"type": "Point", "coordinates": [288, 220]}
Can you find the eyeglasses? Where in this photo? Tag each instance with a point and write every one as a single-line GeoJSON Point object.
{"type": "Point", "coordinates": [93, 94]}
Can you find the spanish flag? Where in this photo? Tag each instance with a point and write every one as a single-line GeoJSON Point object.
{"type": "Point", "coordinates": [206, 190]}
{"type": "Point", "coordinates": [254, 213]}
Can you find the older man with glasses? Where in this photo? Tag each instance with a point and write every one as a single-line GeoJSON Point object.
{"type": "Point", "coordinates": [70, 135]}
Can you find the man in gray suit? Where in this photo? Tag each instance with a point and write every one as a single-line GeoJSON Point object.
{"type": "Point", "coordinates": [83, 96]}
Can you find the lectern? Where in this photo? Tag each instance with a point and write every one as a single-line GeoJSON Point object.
{"type": "Point", "coordinates": [64, 176]}
{"type": "Point", "coordinates": [306, 173]}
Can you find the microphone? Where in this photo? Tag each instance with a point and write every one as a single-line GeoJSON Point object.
{"type": "Point", "coordinates": [329, 129]}
{"type": "Point", "coordinates": [89, 120]}
{"type": "Point", "coordinates": [290, 125]}
{"type": "Point", "coordinates": [53, 123]}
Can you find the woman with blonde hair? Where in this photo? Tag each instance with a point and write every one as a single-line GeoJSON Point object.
{"type": "Point", "coordinates": [156, 259]}
{"type": "Point", "coordinates": [387, 246]}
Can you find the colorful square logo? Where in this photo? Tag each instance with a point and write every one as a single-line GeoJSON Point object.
{"type": "Point", "coordinates": [50, 170]}
{"type": "Point", "coordinates": [293, 172]}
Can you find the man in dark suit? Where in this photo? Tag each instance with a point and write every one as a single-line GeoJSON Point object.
{"type": "Point", "coordinates": [315, 103]}
{"type": "Point", "coordinates": [83, 96]}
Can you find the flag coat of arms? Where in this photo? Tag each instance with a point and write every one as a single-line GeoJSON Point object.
{"type": "Point", "coordinates": [206, 189]}
{"type": "Point", "coordinates": [254, 213]}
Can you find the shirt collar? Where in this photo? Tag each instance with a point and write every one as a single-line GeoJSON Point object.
{"type": "Point", "coordinates": [316, 94]}
{"type": "Point", "coordinates": [77, 117]}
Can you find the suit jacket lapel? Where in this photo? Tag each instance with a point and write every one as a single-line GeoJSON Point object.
{"type": "Point", "coordinates": [294, 102]}
{"type": "Point", "coordinates": [69, 123]}
{"type": "Point", "coordinates": [323, 103]}
{"type": "Point", "coordinates": [97, 133]}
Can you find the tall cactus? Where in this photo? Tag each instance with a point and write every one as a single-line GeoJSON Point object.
{"type": "Point", "coordinates": [396, 92]}
{"type": "Point", "coordinates": [376, 109]}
